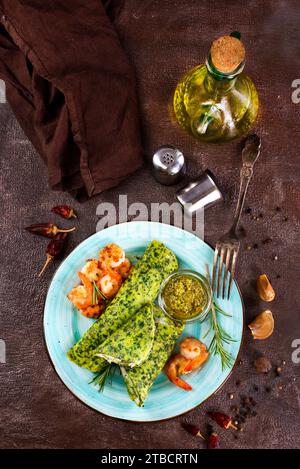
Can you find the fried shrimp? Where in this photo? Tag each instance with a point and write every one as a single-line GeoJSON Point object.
{"type": "Point", "coordinates": [176, 366]}
{"type": "Point", "coordinates": [93, 311]}
{"type": "Point", "coordinates": [110, 283]}
{"type": "Point", "coordinates": [82, 295]}
{"type": "Point", "coordinates": [100, 281]}
{"type": "Point", "coordinates": [125, 268]}
{"type": "Point", "coordinates": [112, 256]}
{"type": "Point", "coordinates": [92, 270]}
{"type": "Point", "coordinates": [190, 347]}
{"type": "Point", "coordinates": [193, 353]}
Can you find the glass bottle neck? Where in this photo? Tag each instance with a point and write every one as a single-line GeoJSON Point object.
{"type": "Point", "coordinates": [217, 82]}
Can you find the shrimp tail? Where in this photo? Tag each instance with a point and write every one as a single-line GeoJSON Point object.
{"type": "Point", "coordinates": [174, 367]}
{"type": "Point", "coordinates": [182, 384]}
{"type": "Point", "coordinates": [86, 282]}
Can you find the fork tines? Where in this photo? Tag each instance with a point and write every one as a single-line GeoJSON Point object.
{"type": "Point", "coordinates": [224, 264]}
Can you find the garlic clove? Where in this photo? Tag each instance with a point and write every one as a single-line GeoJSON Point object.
{"type": "Point", "coordinates": [263, 325]}
{"type": "Point", "coordinates": [264, 288]}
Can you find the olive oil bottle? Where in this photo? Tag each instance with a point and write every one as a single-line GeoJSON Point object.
{"type": "Point", "coordinates": [216, 101]}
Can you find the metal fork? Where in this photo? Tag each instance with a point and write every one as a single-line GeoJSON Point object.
{"type": "Point", "coordinates": [227, 247]}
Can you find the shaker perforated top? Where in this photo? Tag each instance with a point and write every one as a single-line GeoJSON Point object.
{"type": "Point", "coordinates": [168, 165]}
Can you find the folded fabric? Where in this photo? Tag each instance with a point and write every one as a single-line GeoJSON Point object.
{"type": "Point", "coordinates": [140, 379]}
{"type": "Point", "coordinates": [72, 89]}
{"type": "Point", "coordinates": [140, 287]}
{"type": "Point", "coordinates": [131, 344]}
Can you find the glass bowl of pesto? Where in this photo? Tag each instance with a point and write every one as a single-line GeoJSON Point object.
{"type": "Point", "coordinates": [185, 296]}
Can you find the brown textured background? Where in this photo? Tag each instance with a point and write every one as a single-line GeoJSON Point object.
{"type": "Point", "coordinates": [164, 38]}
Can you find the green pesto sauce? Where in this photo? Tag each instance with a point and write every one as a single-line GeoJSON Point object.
{"type": "Point", "coordinates": [185, 296]}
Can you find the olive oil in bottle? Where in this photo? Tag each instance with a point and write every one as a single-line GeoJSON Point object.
{"type": "Point", "coordinates": [216, 101]}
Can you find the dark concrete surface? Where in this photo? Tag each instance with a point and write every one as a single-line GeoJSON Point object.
{"type": "Point", "coordinates": [164, 39]}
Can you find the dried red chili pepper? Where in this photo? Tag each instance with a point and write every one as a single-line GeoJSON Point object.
{"type": "Point", "coordinates": [48, 230]}
{"type": "Point", "coordinates": [222, 419]}
{"type": "Point", "coordinates": [64, 211]}
{"type": "Point", "coordinates": [54, 249]}
{"type": "Point", "coordinates": [192, 429]}
{"type": "Point", "coordinates": [212, 441]}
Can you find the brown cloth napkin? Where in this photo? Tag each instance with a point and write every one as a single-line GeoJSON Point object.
{"type": "Point", "coordinates": [72, 90]}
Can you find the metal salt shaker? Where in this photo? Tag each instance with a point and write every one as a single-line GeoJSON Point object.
{"type": "Point", "coordinates": [168, 165]}
{"type": "Point", "coordinates": [200, 193]}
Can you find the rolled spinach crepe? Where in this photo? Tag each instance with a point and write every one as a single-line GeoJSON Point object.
{"type": "Point", "coordinates": [130, 345]}
{"type": "Point", "coordinates": [140, 288]}
{"type": "Point", "coordinates": [140, 379]}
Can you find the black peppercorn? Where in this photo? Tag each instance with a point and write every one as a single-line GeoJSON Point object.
{"type": "Point", "coordinates": [246, 400]}
{"type": "Point", "coordinates": [267, 241]}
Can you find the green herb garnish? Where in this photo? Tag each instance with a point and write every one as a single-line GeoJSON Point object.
{"type": "Point", "coordinates": [216, 346]}
{"type": "Point", "coordinates": [94, 297]}
{"type": "Point", "coordinates": [108, 370]}
{"type": "Point", "coordinates": [220, 310]}
{"type": "Point", "coordinates": [97, 292]}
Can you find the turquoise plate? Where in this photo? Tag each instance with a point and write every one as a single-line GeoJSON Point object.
{"type": "Point", "coordinates": [63, 327]}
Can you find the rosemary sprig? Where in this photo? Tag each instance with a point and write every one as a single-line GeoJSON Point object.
{"type": "Point", "coordinates": [220, 337]}
{"type": "Point", "coordinates": [108, 370]}
{"type": "Point", "coordinates": [97, 292]}
{"type": "Point", "coordinates": [220, 310]}
{"type": "Point", "coordinates": [94, 297]}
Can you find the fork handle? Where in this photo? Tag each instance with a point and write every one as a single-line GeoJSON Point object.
{"type": "Point", "coordinates": [245, 176]}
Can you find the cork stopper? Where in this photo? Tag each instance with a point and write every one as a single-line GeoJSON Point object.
{"type": "Point", "coordinates": [227, 53]}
